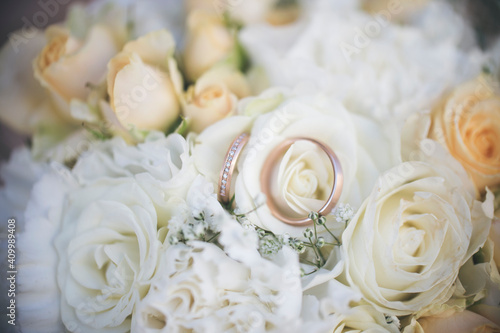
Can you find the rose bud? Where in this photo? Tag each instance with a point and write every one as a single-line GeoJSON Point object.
{"type": "Point", "coordinates": [214, 97]}
{"type": "Point", "coordinates": [208, 42]}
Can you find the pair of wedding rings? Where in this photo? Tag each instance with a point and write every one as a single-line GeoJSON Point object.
{"type": "Point", "coordinates": [231, 159]}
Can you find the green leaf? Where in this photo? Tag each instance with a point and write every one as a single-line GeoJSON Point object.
{"type": "Point", "coordinates": [183, 127]}
{"type": "Point", "coordinates": [479, 257]}
{"type": "Point", "coordinates": [238, 57]}
{"type": "Point", "coordinates": [174, 126]}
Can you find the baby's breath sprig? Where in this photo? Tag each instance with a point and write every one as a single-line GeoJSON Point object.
{"type": "Point", "coordinates": [270, 243]}
{"type": "Point", "coordinates": [195, 228]}
{"type": "Point", "coordinates": [343, 213]}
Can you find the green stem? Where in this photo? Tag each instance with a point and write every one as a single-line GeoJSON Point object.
{"type": "Point", "coordinates": [318, 254]}
{"type": "Point", "coordinates": [315, 233]}
{"type": "Point", "coordinates": [336, 239]}
{"type": "Point", "coordinates": [213, 237]}
{"type": "Point", "coordinates": [309, 262]}
{"type": "Point", "coordinates": [312, 272]}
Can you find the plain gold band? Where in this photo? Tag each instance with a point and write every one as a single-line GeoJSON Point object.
{"type": "Point", "coordinates": [265, 182]}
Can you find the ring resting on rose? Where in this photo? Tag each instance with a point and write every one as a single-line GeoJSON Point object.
{"type": "Point", "coordinates": [234, 152]}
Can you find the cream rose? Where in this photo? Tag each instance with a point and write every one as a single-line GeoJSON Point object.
{"type": "Point", "coordinates": [208, 42]}
{"type": "Point", "coordinates": [214, 96]}
{"type": "Point", "coordinates": [305, 175]}
{"type": "Point", "coordinates": [467, 123]}
{"type": "Point", "coordinates": [405, 246]}
{"type": "Point", "coordinates": [142, 83]}
{"type": "Point", "coordinates": [67, 65]}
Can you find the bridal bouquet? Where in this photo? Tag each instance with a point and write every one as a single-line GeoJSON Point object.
{"type": "Point", "coordinates": [252, 166]}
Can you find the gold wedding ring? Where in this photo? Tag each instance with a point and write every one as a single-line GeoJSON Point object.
{"type": "Point", "coordinates": [265, 182]}
{"type": "Point", "coordinates": [226, 173]}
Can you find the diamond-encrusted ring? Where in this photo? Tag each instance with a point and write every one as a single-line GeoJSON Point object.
{"type": "Point", "coordinates": [267, 171]}
{"type": "Point", "coordinates": [230, 160]}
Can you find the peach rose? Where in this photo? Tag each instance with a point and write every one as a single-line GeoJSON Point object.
{"type": "Point", "coordinates": [467, 122]}
{"type": "Point", "coordinates": [484, 321]}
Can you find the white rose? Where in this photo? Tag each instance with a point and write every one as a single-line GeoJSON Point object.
{"type": "Point", "coordinates": [405, 246]}
{"type": "Point", "coordinates": [306, 176]}
{"type": "Point", "coordinates": [214, 97]}
{"type": "Point", "coordinates": [208, 42]}
{"type": "Point", "coordinates": [234, 297]}
{"type": "Point", "coordinates": [108, 248]}
{"type": "Point", "coordinates": [141, 83]}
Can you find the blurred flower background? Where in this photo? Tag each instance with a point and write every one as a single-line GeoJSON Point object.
{"type": "Point", "coordinates": [166, 185]}
{"type": "Point", "coordinates": [484, 15]}
{"type": "Point", "coordinates": [14, 15]}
